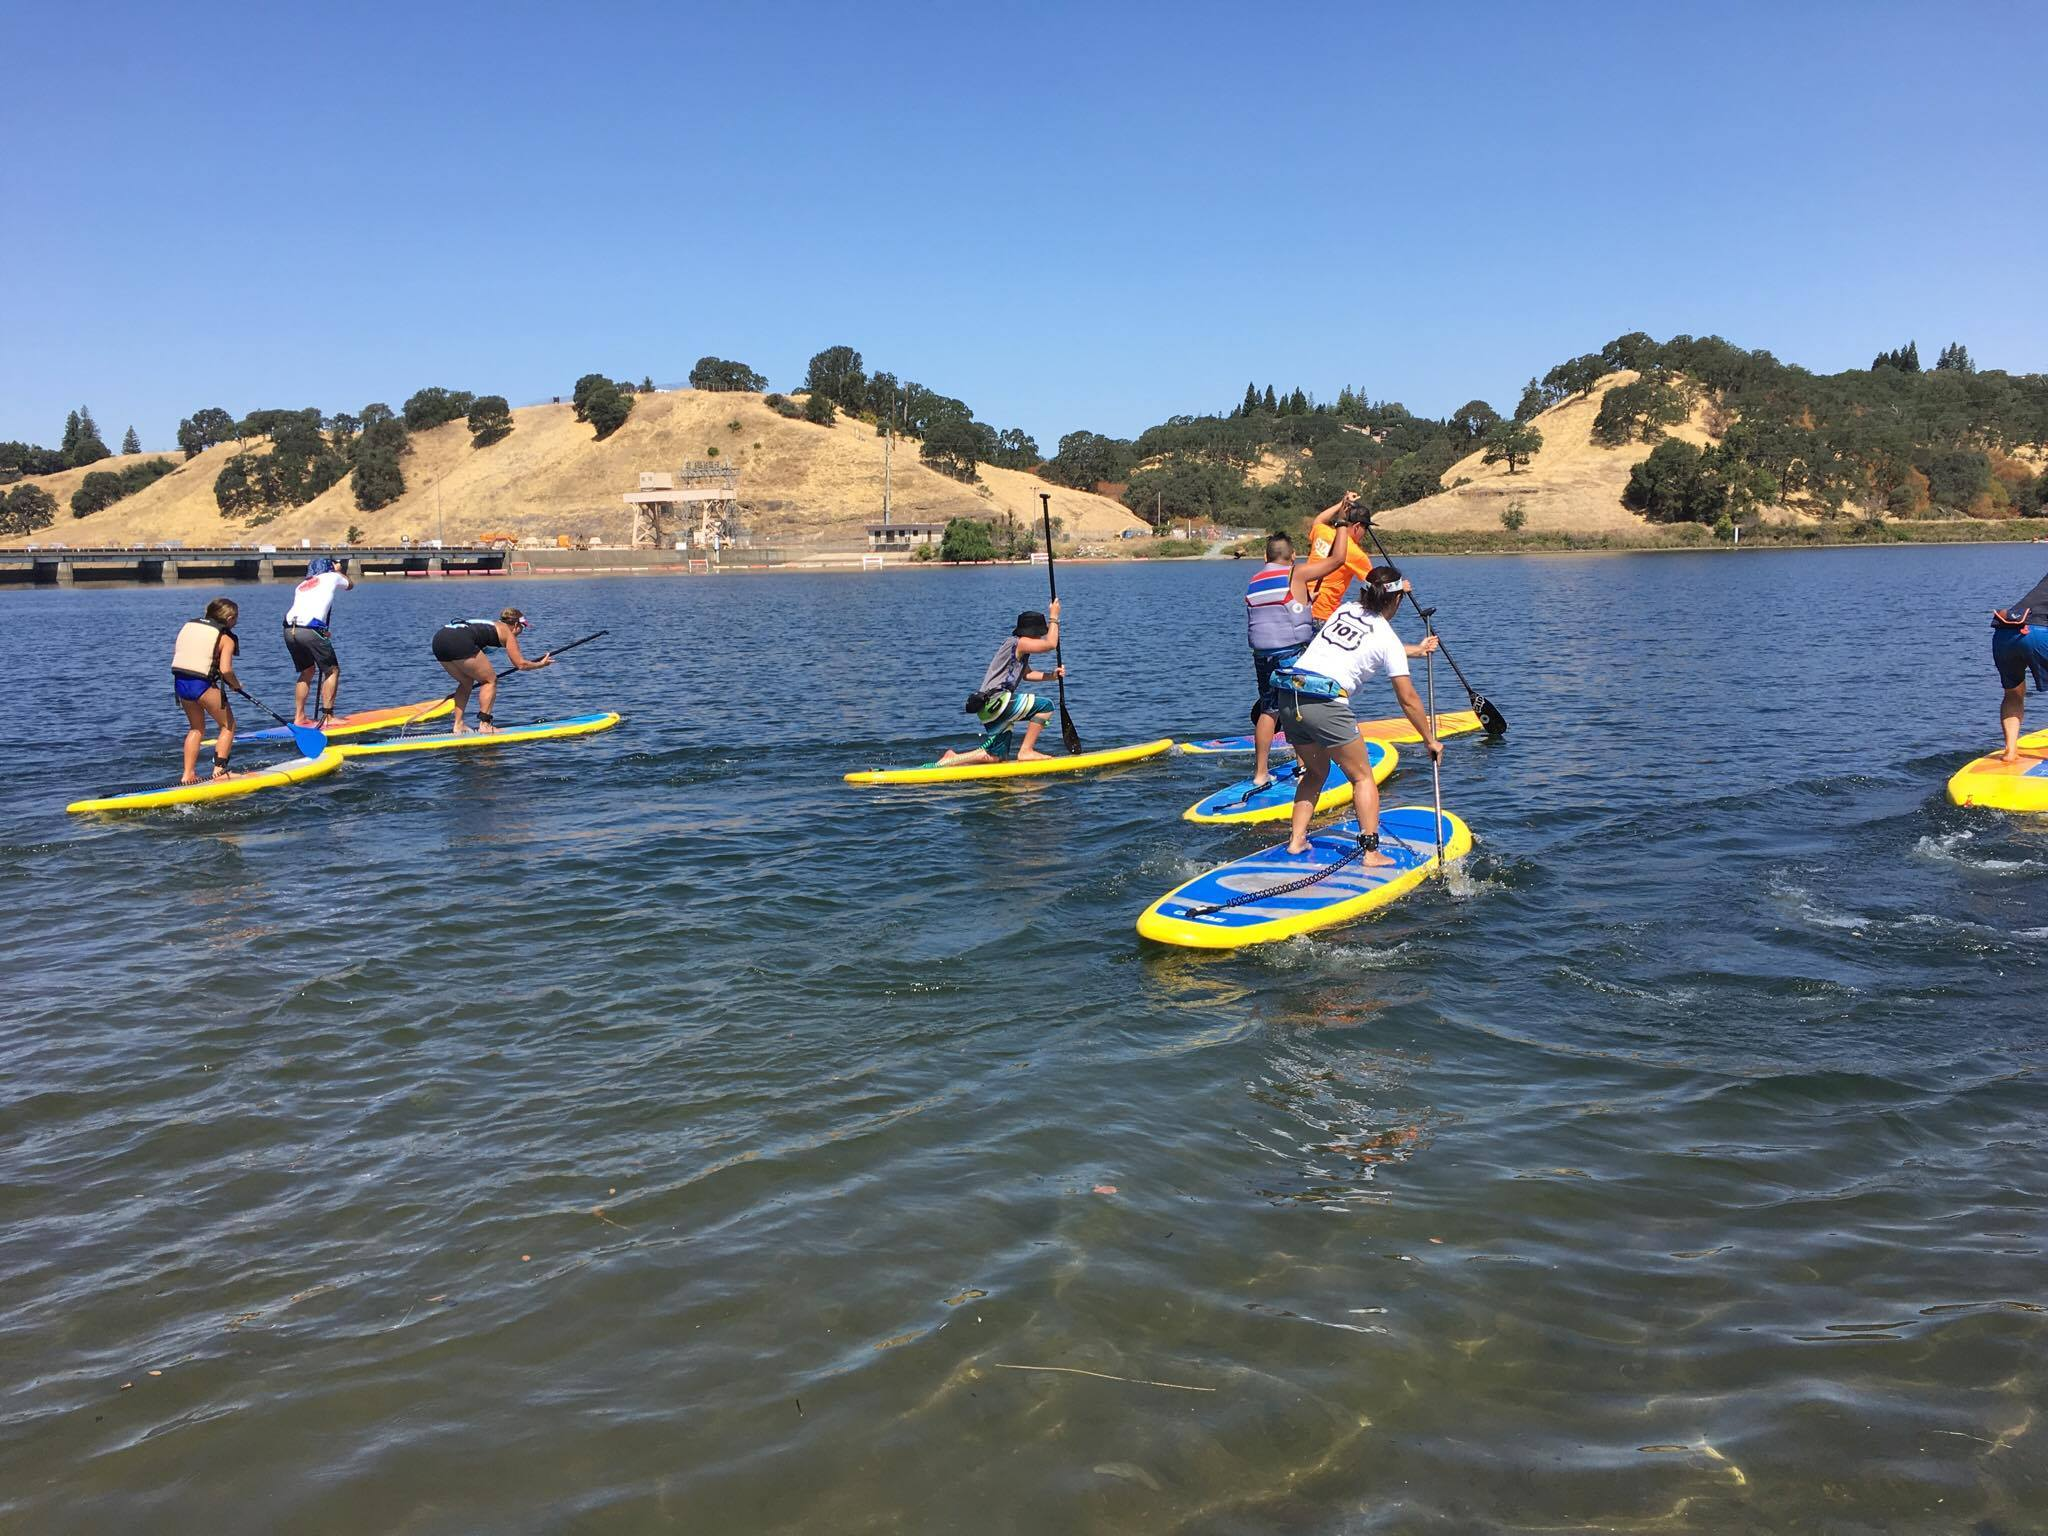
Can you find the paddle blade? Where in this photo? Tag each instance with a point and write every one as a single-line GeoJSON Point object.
{"type": "Point", "coordinates": [1069, 737]}
{"type": "Point", "coordinates": [311, 742]}
{"type": "Point", "coordinates": [1493, 720]}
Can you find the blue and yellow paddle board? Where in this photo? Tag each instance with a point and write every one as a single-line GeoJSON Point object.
{"type": "Point", "coordinates": [1395, 728]}
{"type": "Point", "coordinates": [2020, 786]}
{"type": "Point", "coordinates": [1187, 915]}
{"type": "Point", "coordinates": [1076, 762]}
{"type": "Point", "coordinates": [297, 771]}
{"type": "Point", "coordinates": [1242, 802]}
{"type": "Point", "coordinates": [504, 736]}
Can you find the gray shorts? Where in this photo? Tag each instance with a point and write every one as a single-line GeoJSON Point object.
{"type": "Point", "coordinates": [1326, 723]}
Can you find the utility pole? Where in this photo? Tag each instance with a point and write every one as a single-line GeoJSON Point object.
{"type": "Point", "coordinates": [888, 441]}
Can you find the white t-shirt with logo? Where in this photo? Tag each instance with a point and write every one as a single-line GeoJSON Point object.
{"type": "Point", "coordinates": [314, 599]}
{"type": "Point", "coordinates": [1353, 647]}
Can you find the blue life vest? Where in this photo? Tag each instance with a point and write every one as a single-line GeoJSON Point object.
{"type": "Point", "coordinates": [1272, 623]}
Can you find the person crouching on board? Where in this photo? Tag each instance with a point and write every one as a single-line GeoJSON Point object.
{"type": "Point", "coordinates": [1279, 623]}
{"type": "Point", "coordinates": [202, 659]}
{"type": "Point", "coordinates": [1001, 706]}
{"type": "Point", "coordinates": [462, 646]}
{"type": "Point", "coordinates": [306, 636]}
{"type": "Point", "coordinates": [2019, 645]}
{"type": "Point", "coordinates": [1357, 644]}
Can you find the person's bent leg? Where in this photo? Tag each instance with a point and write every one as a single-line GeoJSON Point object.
{"type": "Point", "coordinates": [1027, 749]}
{"type": "Point", "coordinates": [462, 687]}
{"type": "Point", "coordinates": [1365, 795]}
{"type": "Point", "coordinates": [215, 703]}
{"type": "Point", "coordinates": [329, 687]}
{"type": "Point", "coordinates": [195, 732]}
{"type": "Point", "coordinates": [1314, 762]}
{"type": "Point", "coordinates": [300, 690]}
{"type": "Point", "coordinates": [486, 695]}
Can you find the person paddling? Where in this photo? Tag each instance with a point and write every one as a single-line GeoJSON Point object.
{"type": "Point", "coordinates": [1329, 592]}
{"type": "Point", "coordinates": [460, 647]}
{"type": "Point", "coordinates": [998, 703]}
{"type": "Point", "coordinates": [307, 637]}
{"type": "Point", "coordinates": [1279, 623]}
{"type": "Point", "coordinates": [1313, 696]}
{"type": "Point", "coordinates": [2019, 646]}
{"type": "Point", "coordinates": [202, 659]}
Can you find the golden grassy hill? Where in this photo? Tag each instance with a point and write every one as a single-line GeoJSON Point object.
{"type": "Point", "coordinates": [1572, 485]}
{"type": "Point", "coordinates": [799, 484]}
{"type": "Point", "coordinates": [65, 481]}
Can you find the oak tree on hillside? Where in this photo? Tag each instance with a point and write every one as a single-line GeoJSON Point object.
{"type": "Point", "coordinates": [378, 479]}
{"type": "Point", "coordinates": [606, 408]}
{"type": "Point", "coordinates": [836, 374]}
{"type": "Point", "coordinates": [950, 448]}
{"type": "Point", "coordinates": [30, 458]}
{"type": "Point", "coordinates": [130, 443]}
{"type": "Point", "coordinates": [202, 429]}
{"type": "Point", "coordinates": [1474, 419]}
{"type": "Point", "coordinates": [490, 421]}
{"type": "Point", "coordinates": [818, 408]}
{"type": "Point", "coordinates": [1535, 400]}
{"type": "Point", "coordinates": [723, 374]}
{"type": "Point", "coordinates": [434, 406]}
{"type": "Point", "coordinates": [27, 509]}
{"type": "Point", "coordinates": [1515, 442]}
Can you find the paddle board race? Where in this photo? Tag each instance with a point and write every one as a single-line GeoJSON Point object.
{"type": "Point", "coordinates": [1249, 801]}
{"type": "Point", "coordinates": [1274, 894]}
{"type": "Point", "coordinates": [706, 831]}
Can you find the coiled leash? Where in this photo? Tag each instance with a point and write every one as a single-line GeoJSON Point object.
{"type": "Point", "coordinates": [1364, 847]}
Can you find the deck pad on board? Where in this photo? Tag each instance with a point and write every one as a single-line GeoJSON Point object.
{"type": "Point", "coordinates": [361, 720]}
{"type": "Point", "coordinates": [1240, 802]}
{"type": "Point", "coordinates": [1183, 916]}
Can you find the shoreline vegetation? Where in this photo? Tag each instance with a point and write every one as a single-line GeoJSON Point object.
{"type": "Point", "coordinates": [1643, 445]}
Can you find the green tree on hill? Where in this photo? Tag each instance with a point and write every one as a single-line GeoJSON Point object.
{"type": "Point", "coordinates": [1631, 351]}
{"type": "Point", "coordinates": [1576, 377]}
{"type": "Point", "coordinates": [130, 443]}
{"type": "Point", "coordinates": [1955, 358]}
{"type": "Point", "coordinates": [435, 406]}
{"type": "Point", "coordinates": [1088, 459]}
{"type": "Point", "coordinates": [82, 442]}
{"type": "Point", "coordinates": [378, 479]}
{"type": "Point", "coordinates": [27, 509]}
{"type": "Point", "coordinates": [966, 540]}
{"type": "Point", "coordinates": [1251, 401]}
{"type": "Point", "coordinates": [1271, 403]}
{"type": "Point", "coordinates": [951, 446]}
{"type": "Point", "coordinates": [490, 420]}
{"type": "Point", "coordinates": [1642, 408]}
{"type": "Point", "coordinates": [30, 458]}
{"type": "Point", "coordinates": [606, 409]}
{"type": "Point", "coordinates": [1535, 400]}
{"type": "Point", "coordinates": [818, 408]}
{"type": "Point", "coordinates": [1473, 420]}
{"type": "Point", "coordinates": [1905, 359]}
{"type": "Point", "coordinates": [1515, 442]}
{"type": "Point", "coordinates": [204, 428]}
{"type": "Point", "coordinates": [836, 374]}
{"type": "Point", "coordinates": [722, 374]}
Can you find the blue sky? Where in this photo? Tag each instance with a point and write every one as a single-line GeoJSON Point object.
{"type": "Point", "coordinates": [1067, 215]}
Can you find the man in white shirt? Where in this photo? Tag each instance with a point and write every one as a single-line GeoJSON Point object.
{"type": "Point", "coordinates": [1356, 644]}
{"type": "Point", "coordinates": [307, 637]}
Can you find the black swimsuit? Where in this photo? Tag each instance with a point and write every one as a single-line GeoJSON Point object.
{"type": "Point", "coordinates": [465, 638]}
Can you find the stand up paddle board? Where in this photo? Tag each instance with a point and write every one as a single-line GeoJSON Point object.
{"type": "Point", "coordinates": [1454, 722]}
{"type": "Point", "coordinates": [1194, 915]}
{"type": "Point", "coordinates": [362, 720]}
{"type": "Point", "coordinates": [504, 736]}
{"type": "Point", "coordinates": [1241, 802]}
{"type": "Point", "coordinates": [2020, 786]}
{"type": "Point", "coordinates": [295, 772]}
{"type": "Point", "coordinates": [1076, 762]}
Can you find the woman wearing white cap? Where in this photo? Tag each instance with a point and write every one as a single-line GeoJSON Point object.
{"type": "Point", "coordinates": [460, 647]}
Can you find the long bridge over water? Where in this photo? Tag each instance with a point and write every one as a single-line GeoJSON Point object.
{"type": "Point", "coordinates": [62, 566]}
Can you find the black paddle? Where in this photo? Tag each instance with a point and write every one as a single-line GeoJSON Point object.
{"type": "Point", "coordinates": [1495, 722]}
{"type": "Point", "coordinates": [1069, 737]}
{"type": "Point", "coordinates": [408, 724]}
{"type": "Point", "coordinates": [310, 740]}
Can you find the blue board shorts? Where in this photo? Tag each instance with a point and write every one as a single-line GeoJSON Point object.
{"type": "Point", "coordinates": [2018, 651]}
{"type": "Point", "coordinates": [1024, 708]}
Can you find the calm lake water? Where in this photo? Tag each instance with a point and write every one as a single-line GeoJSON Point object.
{"type": "Point", "coordinates": [651, 1132]}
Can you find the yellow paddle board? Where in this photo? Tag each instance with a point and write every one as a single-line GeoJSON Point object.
{"type": "Point", "coordinates": [1076, 763]}
{"type": "Point", "coordinates": [504, 736]}
{"type": "Point", "coordinates": [295, 772]}
{"type": "Point", "coordinates": [2020, 786]}
{"type": "Point", "coordinates": [386, 719]}
{"type": "Point", "coordinates": [1242, 802]}
{"type": "Point", "coordinates": [1395, 728]}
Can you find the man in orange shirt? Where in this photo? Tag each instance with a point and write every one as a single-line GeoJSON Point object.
{"type": "Point", "coordinates": [1329, 592]}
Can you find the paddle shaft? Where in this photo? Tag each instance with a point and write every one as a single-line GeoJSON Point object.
{"type": "Point", "coordinates": [1069, 737]}
{"type": "Point", "coordinates": [1436, 766]}
{"type": "Point", "coordinates": [1470, 692]}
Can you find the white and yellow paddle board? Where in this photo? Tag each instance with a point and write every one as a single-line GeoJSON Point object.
{"type": "Point", "coordinates": [1077, 762]}
{"type": "Point", "coordinates": [296, 771]}
{"type": "Point", "coordinates": [1242, 802]}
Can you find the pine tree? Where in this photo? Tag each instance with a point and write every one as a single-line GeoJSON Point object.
{"type": "Point", "coordinates": [70, 435]}
{"type": "Point", "coordinates": [1297, 403]}
{"type": "Point", "coordinates": [1272, 402]}
{"type": "Point", "coordinates": [1251, 400]}
{"type": "Point", "coordinates": [130, 443]}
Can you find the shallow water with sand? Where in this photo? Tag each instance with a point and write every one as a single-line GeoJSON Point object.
{"type": "Point", "coordinates": [651, 1132]}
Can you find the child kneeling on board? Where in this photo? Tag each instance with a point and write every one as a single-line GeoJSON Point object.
{"type": "Point", "coordinates": [999, 705]}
